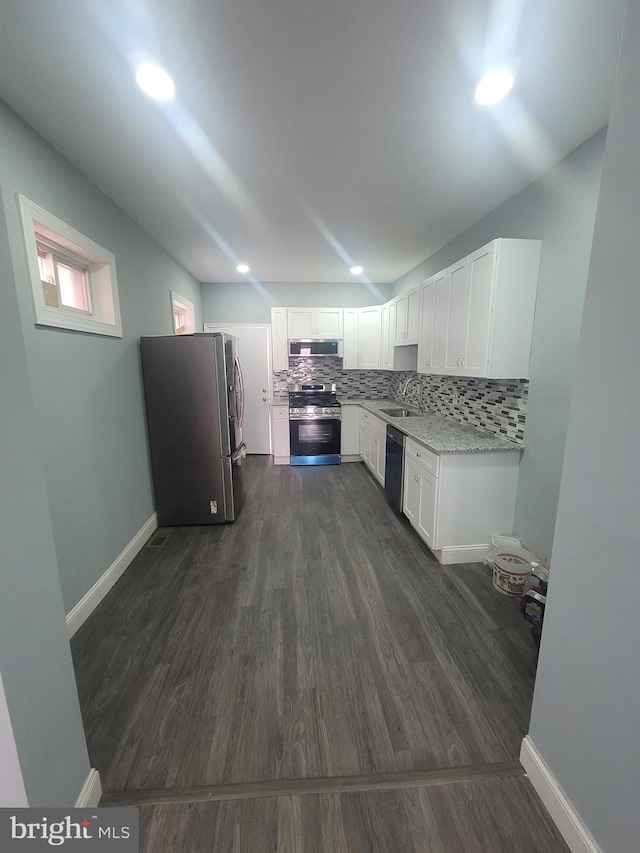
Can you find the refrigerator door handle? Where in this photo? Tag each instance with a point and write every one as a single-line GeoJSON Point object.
{"type": "Point", "coordinates": [240, 453]}
{"type": "Point", "coordinates": [239, 385]}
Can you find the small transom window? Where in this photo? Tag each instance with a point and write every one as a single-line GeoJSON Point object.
{"type": "Point", "coordinates": [73, 280]}
{"type": "Point", "coordinates": [184, 315]}
{"type": "Point", "coordinates": [65, 278]}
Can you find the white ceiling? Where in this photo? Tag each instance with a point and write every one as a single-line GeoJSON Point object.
{"type": "Point", "coordinates": [308, 135]}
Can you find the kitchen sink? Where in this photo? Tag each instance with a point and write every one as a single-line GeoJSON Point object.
{"type": "Point", "coordinates": [399, 413]}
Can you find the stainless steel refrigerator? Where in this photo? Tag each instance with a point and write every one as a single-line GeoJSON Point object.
{"type": "Point", "coordinates": [195, 400]}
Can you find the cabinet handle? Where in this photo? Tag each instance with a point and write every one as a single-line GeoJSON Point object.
{"type": "Point", "coordinates": [462, 362]}
{"type": "Point", "coordinates": [375, 440]}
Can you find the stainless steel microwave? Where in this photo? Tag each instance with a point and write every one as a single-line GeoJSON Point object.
{"type": "Point", "coordinates": [306, 348]}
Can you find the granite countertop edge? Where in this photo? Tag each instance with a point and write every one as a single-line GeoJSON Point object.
{"type": "Point", "coordinates": [436, 432]}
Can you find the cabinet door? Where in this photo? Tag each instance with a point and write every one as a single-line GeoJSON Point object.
{"type": "Point", "coordinates": [427, 320]}
{"type": "Point", "coordinates": [350, 431]}
{"type": "Point", "coordinates": [364, 436]}
{"type": "Point", "coordinates": [300, 322]}
{"type": "Point", "coordinates": [279, 343]}
{"type": "Point", "coordinates": [428, 506]}
{"type": "Point", "coordinates": [372, 456]}
{"type": "Point", "coordinates": [481, 272]}
{"type": "Point", "coordinates": [328, 323]}
{"type": "Point", "coordinates": [369, 328]}
{"type": "Point", "coordinates": [385, 345]}
{"type": "Point", "coordinates": [401, 305]}
{"type": "Point", "coordinates": [381, 447]}
{"type": "Point", "coordinates": [456, 342]}
{"type": "Point", "coordinates": [350, 339]}
{"type": "Point", "coordinates": [411, 491]}
{"type": "Point", "coordinates": [440, 321]}
{"type": "Point", "coordinates": [280, 426]}
{"type": "Point", "coordinates": [412, 331]}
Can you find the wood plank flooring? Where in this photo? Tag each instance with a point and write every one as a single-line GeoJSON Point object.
{"type": "Point", "coordinates": [315, 639]}
{"type": "Point", "coordinates": [315, 636]}
{"type": "Point", "coordinates": [497, 816]}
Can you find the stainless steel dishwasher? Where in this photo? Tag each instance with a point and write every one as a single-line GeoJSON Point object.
{"type": "Point", "coordinates": [394, 462]}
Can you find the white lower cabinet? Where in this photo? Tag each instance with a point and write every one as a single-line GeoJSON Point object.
{"type": "Point", "coordinates": [373, 438]}
{"type": "Point", "coordinates": [280, 433]}
{"type": "Point", "coordinates": [350, 434]}
{"type": "Point", "coordinates": [456, 501]}
{"type": "Point", "coordinates": [420, 499]}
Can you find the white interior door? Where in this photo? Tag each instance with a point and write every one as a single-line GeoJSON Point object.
{"type": "Point", "coordinates": [254, 352]}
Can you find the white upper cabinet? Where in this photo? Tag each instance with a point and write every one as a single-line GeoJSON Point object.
{"type": "Point", "coordinates": [407, 319]}
{"type": "Point", "coordinates": [480, 313]}
{"type": "Point", "coordinates": [350, 339]}
{"type": "Point", "coordinates": [316, 323]}
{"type": "Point", "coordinates": [394, 357]}
{"type": "Point", "coordinates": [369, 333]}
{"type": "Point", "coordinates": [386, 344]}
{"type": "Point", "coordinates": [503, 280]}
{"type": "Point", "coordinates": [434, 316]}
{"type": "Point", "coordinates": [279, 342]}
{"type": "Point", "coordinates": [457, 283]}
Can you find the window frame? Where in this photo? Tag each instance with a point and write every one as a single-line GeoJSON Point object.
{"type": "Point", "coordinates": [104, 318]}
{"type": "Point", "coordinates": [180, 303]}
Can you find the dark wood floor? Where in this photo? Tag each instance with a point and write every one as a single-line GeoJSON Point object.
{"type": "Point", "coordinates": [314, 637]}
{"type": "Point", "coordinates": [500, 816]}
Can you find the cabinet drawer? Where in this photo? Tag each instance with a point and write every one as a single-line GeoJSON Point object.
{"type": "Point", "coordinates": [424, 457]}
{"type": "Point", "coordinates": [280, 413]}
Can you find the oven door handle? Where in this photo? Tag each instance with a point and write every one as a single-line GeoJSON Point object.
{"type": "Point", "coordinates": [315, 417]}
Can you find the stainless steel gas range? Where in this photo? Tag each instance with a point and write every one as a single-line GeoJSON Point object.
{"type": "Point", "coordinates": [314, 424]}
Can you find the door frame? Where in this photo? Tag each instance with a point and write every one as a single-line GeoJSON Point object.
{"type": "Point", "coordinates": [235, 328]}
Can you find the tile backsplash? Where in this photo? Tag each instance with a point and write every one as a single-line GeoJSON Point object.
{"type": "Point", "coordinates": [359, 384]}
{"type": "Point", "coordinates": [496, 406]}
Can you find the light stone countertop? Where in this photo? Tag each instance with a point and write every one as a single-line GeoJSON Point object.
{"type": "Point", "coordinates": [435, 432]}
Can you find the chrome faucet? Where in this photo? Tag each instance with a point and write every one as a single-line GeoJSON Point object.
{"type": "Point", "coordinates": [403, 390]}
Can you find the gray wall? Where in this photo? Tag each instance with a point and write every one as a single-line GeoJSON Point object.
{"type": "Point", "coordinates": [559, 209]}
{"type": "Point", "coordinates": [35, 659]}
{"type": "Point", "coordinates": [252, 303]}
{"type": "Point", "coordinates": [87, 389]}
{"type": "Point", "coordinates": [586, 704]}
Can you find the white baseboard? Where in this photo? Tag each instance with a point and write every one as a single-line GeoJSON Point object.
{"type": "Point", "coordinates": [564, 815]}
{"type": "Point", "coordinates": [88, 603]}
{"type": "Point", "coordinates": [463, 554]}
{"type": "Point", "coordinates": [89, 796]}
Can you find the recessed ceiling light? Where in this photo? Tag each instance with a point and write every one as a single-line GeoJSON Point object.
{"type": "Point", "coordinates": [242, 268]}
{"type": "Point", "coordinates": [155, 82]}
{"type": "Point", "coordinates": [357, 270]}
{"type": "Point", "coordinates": [494, 86]}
